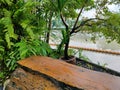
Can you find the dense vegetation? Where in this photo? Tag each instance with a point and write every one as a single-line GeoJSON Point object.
{"type": "Point", "coordinates": [21, 33]}
{"type": "Point", "coordinates": [25, 27]}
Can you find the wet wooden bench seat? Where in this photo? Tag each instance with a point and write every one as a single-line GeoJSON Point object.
{"type": "Point", "coordinates": [72, 75]}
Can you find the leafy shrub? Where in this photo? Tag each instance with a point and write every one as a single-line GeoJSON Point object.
{"type": "Point", "coordinates": [20, 33]}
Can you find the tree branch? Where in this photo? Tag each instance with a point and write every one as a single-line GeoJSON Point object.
{"type": "Point", "coordinates": [63, 20]}
{"type": "Point", "coordinates": [77, 19]}
{"type": "Point", "coordinates": [83, 23]}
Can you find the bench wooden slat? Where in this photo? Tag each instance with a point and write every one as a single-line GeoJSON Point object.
{"type": "Point", "coordinates": [72, 75]}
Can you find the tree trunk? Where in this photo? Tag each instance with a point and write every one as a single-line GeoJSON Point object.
{"type": "Point", "coordinates": [67, 45]}
{"type": "Point", "coordinates": [66, 51]}
{"type": "Point", "coordinates": [67, 38]}
{"type": "Point", "coordinates": [49, 27]}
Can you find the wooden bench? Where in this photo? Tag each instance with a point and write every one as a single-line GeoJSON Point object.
{"type": "Point", "coordinates": [72, 75]}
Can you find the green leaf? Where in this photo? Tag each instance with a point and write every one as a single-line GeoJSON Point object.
{"type": "Point", "coordinates": [7, 38]}
{"type": "Point", "coordinates": [61, 4]}
{"type": "Point", "coordinates": [8, 63]}
{"type": "Point", "coordinates": [23, 54]}
{"type": "Point", "coordinates": [8, 2]}
{"type": "Point", "coordinates": [1, 48]}
{"type": "Point", "coordinates": [25, 24]}
{"type": "Point", "coordinates": [30, 32]}
{"type": "Point", "coordinates": [1, 74]}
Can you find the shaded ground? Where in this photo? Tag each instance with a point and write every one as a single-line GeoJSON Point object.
{"type": "Point", "coordinates": [95, 67]}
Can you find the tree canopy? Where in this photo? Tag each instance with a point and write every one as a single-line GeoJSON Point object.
{"type": "Point", "coordinates": [104, 21]}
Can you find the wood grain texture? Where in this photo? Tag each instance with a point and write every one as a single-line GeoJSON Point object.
{"type": "Point", "coordinates": [72, 75]}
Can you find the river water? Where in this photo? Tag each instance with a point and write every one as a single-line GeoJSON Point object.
{"type": "Point", "coordinates": [84, 40]}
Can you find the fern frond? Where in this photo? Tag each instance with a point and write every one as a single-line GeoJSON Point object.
{"type": "Point", "coordinates": [1, 49]}
{"type": "Point", "coordinates": [22, 48]}
{"type": "Point", "coordinates": [8, 2]}
{"type": "Point", "coordinates": [30, 32]}
{"type": "Point", "coordinates": [26, 26]}
{"type": "Point", "coordinates": [9, 30]}
{"type": "Point", "coordinates": [7, 38]}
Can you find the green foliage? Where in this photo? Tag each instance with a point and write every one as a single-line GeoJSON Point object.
{"type": "Point", "coordinates": [113, 27]}
{"type": "Point", "coordinates": [58, 4]}
{"type": "Point", "coordinates": [20, 32]}
{"type": "Point", "coordinates": [11, 61]}
{"type": "Point", "coordinates": [32, 47]}
{"type": "Point", "coordinates": [2, 49]}
{"type": "Point", "coordinates": [8, 27]}
{"type": "Point", "coordinates": [79, 53]}
{"type": "Point", "coordinates": [82, 56]}
{"type": "Point", "coordinates": [72, 52]}
{"type": "Point", "coordinates": [108, 27]}
{"type": "Point", "coordinates": [103, 65]}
